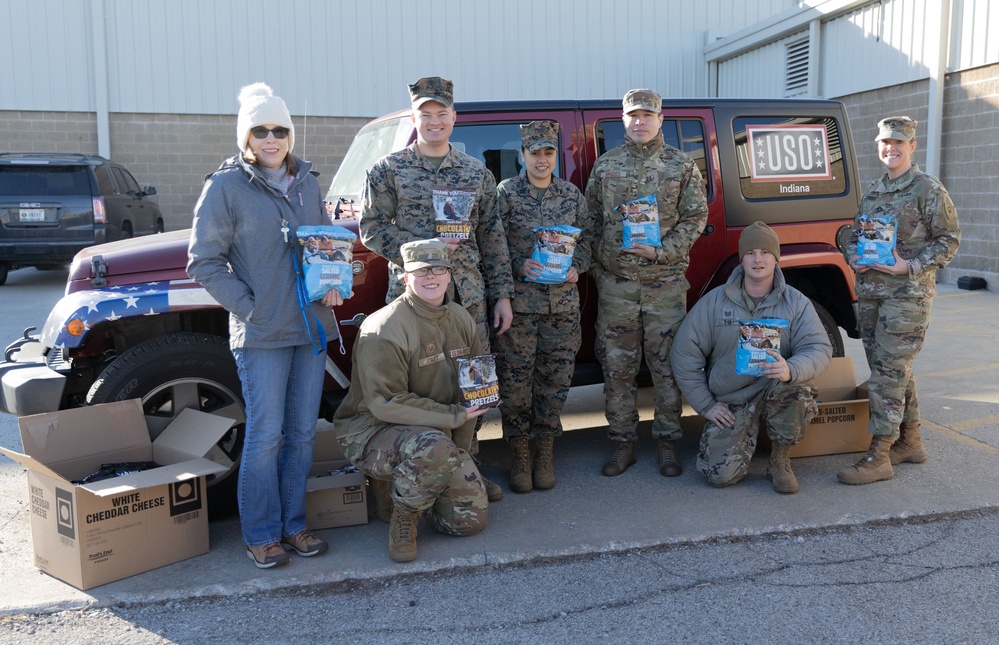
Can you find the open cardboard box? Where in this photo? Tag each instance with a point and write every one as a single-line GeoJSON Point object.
{"type": "Point", "coordinates": [333, 500]}
{"type": "Point", "coordinates": [92, 534]}
{"type": "Point", "coordinates": [841, 424]}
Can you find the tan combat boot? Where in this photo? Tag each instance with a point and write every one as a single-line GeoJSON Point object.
{"type": "Point", "coordinates": [779, 470]}
{"type": "Point", "coordinates": [623, 457]}
{"type": "Point", "coordinates": [668, 464]}
{"type": "Point", "coordinates": [381, 490]}
{"type": "Point", "coordinates": [402, 534]}
{"type": "Point", "coordinates": [909, 447]}
{"type": "Point", "coordinates": [874, 467]}
{"type": "Point", "coordinates": [520, 469]}
{"type": "Point", "coordinates": [544, 467]}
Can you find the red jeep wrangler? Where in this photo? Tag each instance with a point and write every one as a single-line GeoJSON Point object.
{"type": "Point", "coordinates": [133, 325]}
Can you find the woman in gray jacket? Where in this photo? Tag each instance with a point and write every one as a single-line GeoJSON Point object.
{"type": "Point", "coordinates": [242, 251]}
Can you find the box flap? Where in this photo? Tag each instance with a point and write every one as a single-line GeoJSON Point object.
{"type": "Point", "coordinates": [80, 439]}
{"type": "Point", "coordinates": [838, 382]}
{"type": "Point", "coordinates": [30, 463]}
{"type": "Point", "coordinates": [327, 447]}
{"type": "Point", "coordinates": [155, 477]}
{"type": "Point", "coordinates": [192, 434]}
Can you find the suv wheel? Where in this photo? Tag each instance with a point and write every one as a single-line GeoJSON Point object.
{"type": "Point", "coordinates": [159, 226]}
{"type": "Point", "coordinates": [4, 269]}
{"type": "Point", "coordinates": [126, 231]}
{"type": "Point", "coordinates": [177, 371]}
{"type": "Point", "coordinates": [832, 329]}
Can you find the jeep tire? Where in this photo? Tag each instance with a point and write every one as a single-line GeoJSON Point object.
{"type": "Point", "coordinates": [177, 371]}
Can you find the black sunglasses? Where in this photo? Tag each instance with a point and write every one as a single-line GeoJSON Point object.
{"type": "Point", "coordinates": [261, 132]}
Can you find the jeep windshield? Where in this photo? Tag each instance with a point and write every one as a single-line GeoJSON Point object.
{"type": "Point", "coordinates": [373, 142]}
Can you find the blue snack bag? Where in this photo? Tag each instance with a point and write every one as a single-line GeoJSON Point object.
{"type": "Point", "coordinates": [640, 222]}
{"type": "Point", "coordinates": [755, 338]}
{"type": "Point", "coordinates": [553, 248]}
{"type": "Point", "coordinates": [876, 240]}
{"type": "Point", "coordinates": [327, 252]}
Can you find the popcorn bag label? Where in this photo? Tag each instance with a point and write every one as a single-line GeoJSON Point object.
{"type": "Point", "coordinates": [478, 381]}
{"type": "Point", "coordinates": [640, 222]}
{"type": "Point", "coordinates": [453, 212]}
{"type": "Point", "coordinates": [876, 240]}
{"type": "Point", "coordinates": [327, 252]}
{"type": "Point", "coordinates": [755, 338]}
{"type": "Point", "coordinates": [553, 248]}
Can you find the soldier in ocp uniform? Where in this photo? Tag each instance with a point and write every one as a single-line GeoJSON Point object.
{"type": "Point", "coordinates": [536, 357]}
{"type": "Point", "coordinates": [402, 423]}
{"type": "Point", "coordinates": [894, 300]}
{"type": "Point", "coordinates": [397, 207]}
{"type": "Point", "coordinates": [642, 290]}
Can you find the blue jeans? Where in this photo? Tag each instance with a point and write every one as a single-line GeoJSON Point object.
{"type": "Point", "coordinates": [282, 389]}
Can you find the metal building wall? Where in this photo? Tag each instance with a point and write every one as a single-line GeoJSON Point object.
{"type": "Point", "coordinates": [353, 57]}
{"type": "Point", "coordinates": [884, 42]}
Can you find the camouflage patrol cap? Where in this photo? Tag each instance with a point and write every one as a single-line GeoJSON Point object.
{"type": "Point", "coordinates": [432, 88]}
{"type": "Point", "coordinates": [539, 134]}
{"type": "Point", "coordinates": [642, 100]}
{"type": "Point", "coordinates": [896, 127]}
{"type": "Point", "coordinates": [419, 254]}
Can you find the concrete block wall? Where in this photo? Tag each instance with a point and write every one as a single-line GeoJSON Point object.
{"type": "Point", "coordinates": [969, 159]}
{"type": "Point", "coordinates": [172, 152]}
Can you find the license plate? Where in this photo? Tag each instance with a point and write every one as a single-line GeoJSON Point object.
{"type": "Point", "coordinates": [32, 214]}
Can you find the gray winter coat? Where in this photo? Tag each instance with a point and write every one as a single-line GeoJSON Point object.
{"type": "Point", "coordinates": [239, 255]}
{"type": "Point", "coordinates": [703, 353]}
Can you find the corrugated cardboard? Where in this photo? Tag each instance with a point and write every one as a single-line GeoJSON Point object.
{"type": "Point", "coordinates": [841, 424]}
{"type": "Point", "coordinates": [92, 534]}
{"type": "Point", "coordinates": [333, 500]}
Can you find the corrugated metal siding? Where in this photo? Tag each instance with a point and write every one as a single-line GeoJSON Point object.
{"type": "Point", "coordinates": [756, 74]}
{"type": "Point", "coordinates": [882, 43]}
{"type": "Point", "coordinates": [355, 57]}
{"type": "Point", "coordinates": [46, 56]}
{"type": "Point", "coordinates": [977, 22]}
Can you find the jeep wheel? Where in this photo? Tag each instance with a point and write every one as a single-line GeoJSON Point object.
{"type": "Point", "coordinates": [832, 329]}
{"type": "Point", "coordinates": [177, 371]}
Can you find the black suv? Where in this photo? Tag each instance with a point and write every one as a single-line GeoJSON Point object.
{"type": "Point", "coordinates": [52, 205]}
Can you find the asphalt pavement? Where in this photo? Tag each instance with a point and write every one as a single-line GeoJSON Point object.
{"type": "Point", "coordinates": [588, 514]}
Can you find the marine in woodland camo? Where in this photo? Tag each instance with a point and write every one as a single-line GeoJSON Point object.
{"type": "Point", "coordinates": [536, 357]}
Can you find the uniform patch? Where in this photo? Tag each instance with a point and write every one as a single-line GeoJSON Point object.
{"type": "Point", "coordinates": [464, 351]}
{"type": "Point", "coordinates": [430, 348]}
{"type": "Point", "coordinates": [430, 360]}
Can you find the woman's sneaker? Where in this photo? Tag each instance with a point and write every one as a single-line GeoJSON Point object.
{"type": "Point", "coordinates": [305, 544]}
{"type": "Point", "coordinates": [267, 555]}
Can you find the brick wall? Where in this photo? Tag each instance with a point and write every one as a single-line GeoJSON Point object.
{"type": "Point", "coordinates": [969, 158]}
{"type": "Point", "coordinates": [169, 151]}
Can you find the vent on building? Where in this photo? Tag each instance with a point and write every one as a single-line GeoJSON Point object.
{"type": "Point", "coordinates": [796, 68]}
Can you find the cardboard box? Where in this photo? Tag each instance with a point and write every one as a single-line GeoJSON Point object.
{"type": "Point", "coordinates": [333, 500]}
{"type": "Point", "coordinates": [841, 424]}
{"type": "Point", "coordinates": [92, 534]}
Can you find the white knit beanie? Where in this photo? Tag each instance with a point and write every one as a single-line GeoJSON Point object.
{"type": "Point", "coordinates": [259, 106]}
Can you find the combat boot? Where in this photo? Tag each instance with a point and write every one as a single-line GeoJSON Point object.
{"type": "Point", "coordinates": [909, 447]}
{"type": "Point", "coordinates": [381, 490]}
{"type": "Point", "coordinates": [402, 534]}
{"type": "Point", "coordinates": [544, 466]}
{"type": "Point", "coordinates": [779, 470]}
{"type": "Point", "coordinates": [493, 491]}
{"type": "Point", "coordinates": [874, 467]}
{"type": "Point", "coordinates": [668, 464]}
{"type": "Point", "coordinates": [520, 469]}
{"type": "Point", "coordinates": [623, 457]}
